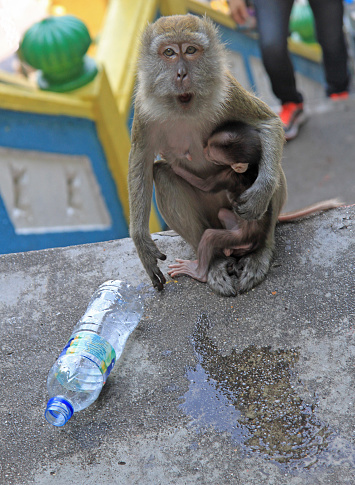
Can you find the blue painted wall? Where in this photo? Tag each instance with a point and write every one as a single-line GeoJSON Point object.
{"type": "Point", "coordinates": [69, 136]}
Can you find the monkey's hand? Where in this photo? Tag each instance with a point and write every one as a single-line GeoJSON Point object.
{"type": "Point", "coordinates": [149, 254]}
{"type": "Point", "coordinates": [253, 203]}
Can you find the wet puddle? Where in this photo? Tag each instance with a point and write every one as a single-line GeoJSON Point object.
{"type": "Point", "coordinates": [253, 395]}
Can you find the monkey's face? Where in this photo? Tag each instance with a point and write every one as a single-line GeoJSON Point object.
{"type": "Point", "coordinates": [180, 64]}
{"type": "Point", "coordinates": [180, 60]}
{"type": "Point", "coordinates": [219, 155]}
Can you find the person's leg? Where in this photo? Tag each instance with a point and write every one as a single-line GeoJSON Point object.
{"type": "Point", "coordinates": [328, 16]}
{"type": "Point", "coordinates": [273, 27]}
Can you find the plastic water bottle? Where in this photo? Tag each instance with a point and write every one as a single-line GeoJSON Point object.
{"type": "Point", "coordinates": [97, 341]}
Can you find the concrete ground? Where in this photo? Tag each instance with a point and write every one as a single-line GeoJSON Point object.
{"type": "Point", "coordinates": [252, 390]}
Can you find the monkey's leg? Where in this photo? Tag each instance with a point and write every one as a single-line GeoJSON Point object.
{"type": "Point", "coordinates": [233, 222]}
{"type": "Point", "coordinates": [253, 268]}
{"type": "Point", "coordinates": [253, 259]}
{"type": "Point", "coordinates": [211, 241]}
{"type": "Point", "coordinates": [220, 280]}
{"type": "Point", "coordinates": [219, 277]}
{"type": "Point", "coordinates": [184, 208]}
{"type": "Point", "coordinates": [190, 212]}
{"type": "Point", "coordinates": [228, 218]}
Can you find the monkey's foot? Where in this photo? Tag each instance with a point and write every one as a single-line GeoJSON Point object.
{"type": "Point", "coordinates": [251, 269]}
{"type": "Point", "coordinates": [220, 280]}
{"type": "Point", "coordinates": [189, 268]}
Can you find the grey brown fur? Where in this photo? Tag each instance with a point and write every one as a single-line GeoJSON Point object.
{"type": "Point", "coordinates": [236, 149]}
{"type": "Point", "coordinates": [177, 131]}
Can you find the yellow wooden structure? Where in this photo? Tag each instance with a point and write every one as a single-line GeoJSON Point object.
{"type": "Point", "coordinates": [108, 99]}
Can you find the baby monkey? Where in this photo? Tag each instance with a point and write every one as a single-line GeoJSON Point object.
{"type": "Point", "coordinates": [236, 148]}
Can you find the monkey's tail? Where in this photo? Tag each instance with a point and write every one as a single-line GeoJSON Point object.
{"type": "Point", "coordinates": [311, 209]}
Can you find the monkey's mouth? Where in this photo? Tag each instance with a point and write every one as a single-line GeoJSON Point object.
{"type": "Point", "coordinates": [185, 98]}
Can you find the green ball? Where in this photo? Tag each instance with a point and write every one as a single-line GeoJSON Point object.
{"type": "Point", "coordinates": [57, 47]}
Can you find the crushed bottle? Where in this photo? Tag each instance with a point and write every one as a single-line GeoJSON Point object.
{"type": "Point", "coordinates": [97, 342]}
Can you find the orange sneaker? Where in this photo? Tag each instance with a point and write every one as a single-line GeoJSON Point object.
{"type": "Point", "coordinates": [292, 117]}
{"type": "Point", "coordinates": [338, 96]}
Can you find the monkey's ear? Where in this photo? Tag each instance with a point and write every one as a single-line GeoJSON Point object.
{"type": "Point", "coordinates": [146, 39]}
{"type": "Point", "coordinates": [240, 167]}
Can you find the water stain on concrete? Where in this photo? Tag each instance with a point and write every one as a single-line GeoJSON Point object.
{"type": "Point", "coordinates": [253, 395]}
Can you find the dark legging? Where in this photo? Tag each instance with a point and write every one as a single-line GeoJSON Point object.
{"type": "Point", "coordinates": [273, 20]}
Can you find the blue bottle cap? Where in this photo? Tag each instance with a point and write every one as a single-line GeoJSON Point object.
{"type": "Point", "coordinates": [58, 411]}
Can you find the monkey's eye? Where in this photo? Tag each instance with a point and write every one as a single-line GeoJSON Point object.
{"type": "Point", "coordinates": [169, 52]}
{"type": "Point", "coordinates": [191, 49]}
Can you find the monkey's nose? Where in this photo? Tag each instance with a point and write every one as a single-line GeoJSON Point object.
{"type": "Point", "coordinates": [181, 74]}
{"type": "Point", "coordinates": [182, 77]}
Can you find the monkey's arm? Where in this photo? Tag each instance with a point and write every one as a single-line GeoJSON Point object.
{"type": "Point", "coordinates": [213, 183]}
{"type": "Point", "coordinates": [206, 185]}
{"type": "Point", "coordinates": [140, 186]}
{"type": "Point", "coordinates": [254, 202]}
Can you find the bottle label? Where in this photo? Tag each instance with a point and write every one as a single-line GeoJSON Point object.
{"type": "Point", "coordinates": [93, 347]}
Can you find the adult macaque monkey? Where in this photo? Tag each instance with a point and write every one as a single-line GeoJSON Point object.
{"type": "Point", "coordinates": [184, 91]}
